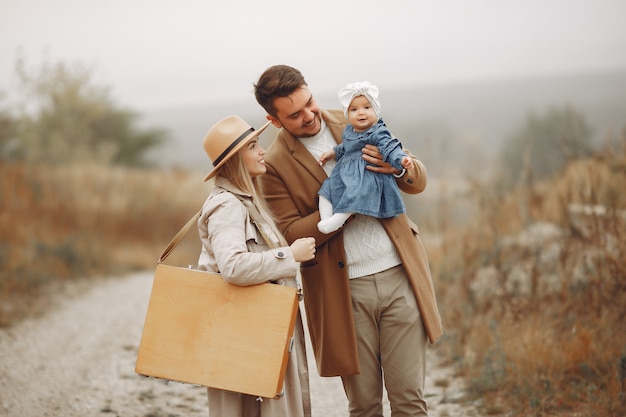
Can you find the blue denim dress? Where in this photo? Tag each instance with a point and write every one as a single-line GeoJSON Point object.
{"type": "Point", "coordinates": [353, 189]}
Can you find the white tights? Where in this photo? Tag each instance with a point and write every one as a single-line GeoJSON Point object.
{"type": "Point", "coordinates": [330, 222]}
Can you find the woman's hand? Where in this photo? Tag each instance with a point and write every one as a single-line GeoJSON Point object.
{"type": "Point", "coordinates": [303, 249]}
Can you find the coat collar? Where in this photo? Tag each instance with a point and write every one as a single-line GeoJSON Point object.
{"type": "Point", "coordinates": [300, 152]}
{"type": "Point", "coordinates": [336, 123]}
{"type": "Point", "coordinates": [226, 184]}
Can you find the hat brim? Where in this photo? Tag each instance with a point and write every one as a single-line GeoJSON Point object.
{"type": "Point", "coordinates": [236, 149]}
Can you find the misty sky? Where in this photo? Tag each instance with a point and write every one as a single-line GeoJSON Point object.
{"type": "Point", "coordinates": [162, 53]}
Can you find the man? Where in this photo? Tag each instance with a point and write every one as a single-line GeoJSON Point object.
{"type": "Point", "coordinates": [369, 296]}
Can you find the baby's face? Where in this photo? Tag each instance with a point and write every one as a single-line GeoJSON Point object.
{"type": "Point", "coordinates": [361, 114]}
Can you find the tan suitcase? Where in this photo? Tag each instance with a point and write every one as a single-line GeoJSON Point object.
{"type": "Point", "coordinates": [201, 330]}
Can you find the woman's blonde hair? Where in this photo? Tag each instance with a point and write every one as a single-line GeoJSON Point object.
{"type": "Point", "coordinates": [235, 171]}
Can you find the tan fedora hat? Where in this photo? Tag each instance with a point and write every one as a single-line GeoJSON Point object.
{"type": "Point", "coordinates": [225, 138]}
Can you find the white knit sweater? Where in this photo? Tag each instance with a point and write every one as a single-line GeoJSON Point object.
{"type": "Point", "coordinates": [368, 248]}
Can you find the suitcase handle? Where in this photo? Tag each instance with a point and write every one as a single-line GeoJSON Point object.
{"type": "Point", "coordinates": [177, 238]}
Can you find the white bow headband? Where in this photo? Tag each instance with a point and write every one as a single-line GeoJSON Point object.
{"type": "Point", "coordinates": [363, 88]}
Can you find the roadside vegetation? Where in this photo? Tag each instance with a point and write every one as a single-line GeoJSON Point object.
{"type": "Point", "coordinates": [533, 287]}
{"type": "Point", "coordinates": [531, 279]}
{"type": "Point", "coordinates": [78, 198]}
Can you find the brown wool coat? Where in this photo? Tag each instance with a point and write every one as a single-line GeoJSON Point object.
{"type": "Point", "coordinates": [290, 186]}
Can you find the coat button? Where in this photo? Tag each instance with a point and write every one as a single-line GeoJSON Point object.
{"type": "Point", "coordinates": [340, 264]}
{"type": "Point", "coordinates": [280, 255]}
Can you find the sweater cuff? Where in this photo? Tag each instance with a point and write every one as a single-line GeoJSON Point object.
{"type": "Point", "coordinates": [400, 175]}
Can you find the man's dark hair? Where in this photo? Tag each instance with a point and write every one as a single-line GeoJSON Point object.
{"type": "Point", "coordinates": [277, 81]}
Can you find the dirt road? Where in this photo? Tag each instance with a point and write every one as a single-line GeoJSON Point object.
{"type": "Point", "coordinates": [79, 359]}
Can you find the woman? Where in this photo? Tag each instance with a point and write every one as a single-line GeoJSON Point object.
{"type": "Point", "coordinates": [241, 242]}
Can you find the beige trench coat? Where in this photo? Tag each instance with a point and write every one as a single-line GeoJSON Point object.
{"type": "Point", "coordinates": [233, 246]}
{"type": "Point", "coordinates": [290, 186]}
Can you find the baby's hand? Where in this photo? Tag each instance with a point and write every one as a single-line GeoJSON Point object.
{"type": "Point", "coordinates": [407, 163]}
{"type": "Point", "coordinates": [326, 156]}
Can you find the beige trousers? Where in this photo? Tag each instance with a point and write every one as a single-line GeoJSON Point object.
{"type": "Point", "coordinates": [391, 343]}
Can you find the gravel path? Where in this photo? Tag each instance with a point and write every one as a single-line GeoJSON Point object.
{"type": "Point", "coordinates": [79, 359]}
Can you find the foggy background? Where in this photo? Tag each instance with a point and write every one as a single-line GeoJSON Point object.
{"type": "Point", "coordinates": [528, 267]}
{"type": "Point", "coordinates": [455, 77]}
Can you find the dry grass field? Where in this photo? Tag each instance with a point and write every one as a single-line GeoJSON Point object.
{"type": "Point", "coordinates": [533, 293]}
{"type": "Point", "coordinates": [86, 221]}
{"type": "Point", "coordinates": [532, 290]}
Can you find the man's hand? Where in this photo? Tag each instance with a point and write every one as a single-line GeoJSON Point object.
{"type": "Point", "coordinates": [372, 155]}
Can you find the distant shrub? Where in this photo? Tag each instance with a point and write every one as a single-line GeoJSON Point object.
{"type": "Point", "coordinates": [543, 145]}
{"type": "Point", "coordinates": [62, 117]}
